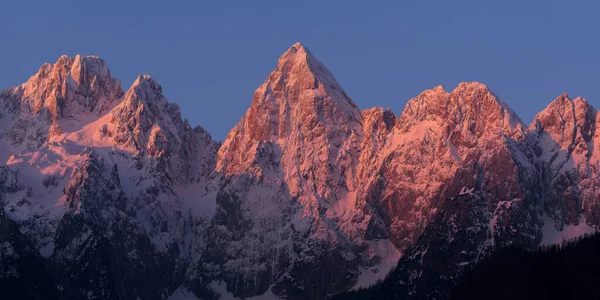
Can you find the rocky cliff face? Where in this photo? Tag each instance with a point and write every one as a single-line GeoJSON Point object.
{"type": "Point", "coordinates": [433, 137]}
{"type": "Point", "coordinates": [285, 168]}
{"type": "Point", "coordinates": [565, 138]}
{"type": "Point", "coordinates": [529, 188]}
{"type": "Point", "coordinates": [113, 195]}
{"type": "Point", "coordinates": [59, 98]}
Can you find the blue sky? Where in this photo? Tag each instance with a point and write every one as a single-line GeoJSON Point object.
{"type": "Point", "coordinates": [210, 56]}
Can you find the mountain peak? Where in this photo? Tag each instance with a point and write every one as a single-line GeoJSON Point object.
{"type": "Point", "coordinates": [64, 60]}
{"type": "Point", "coordinates": [564, 99]}
{"type": "Point", "coordinates": [580, 99]}
{"type": "Point", "coordinates": [467, 103]}
{"type": "Point", "coordinates": [298, 59]}
{"type": "Point", "coordinates": [564, 110]}
{"type": "Point", "coordinates": [299, 85]}
{"type": "Point", "coordinates": [88, 74]}
{"type": "Point", "coordinates": [439, 89]}
{"type": "Point", "coordinates": [145, 90]}
{"type": "Point", "coordinates": [89, 60]}
{"type": "Point", "coordinates": [145, 79]}
{"type": "Point", "coordinates": [61, 98]}
{"type": "Point", "coordinates": [86, 69]}
{"type": "Point", "coordinates": [561, 103]}
{"type": "Point", "coordinates": [561, 99]}
{"type": "Point", "coordinates": [472, 85]}
{"type": "Point", "coordinates": [297, 49]}
{"type": "Point", "coordinates": [72, 88]}
{"type": "Point", "coordinates": [299, 107]}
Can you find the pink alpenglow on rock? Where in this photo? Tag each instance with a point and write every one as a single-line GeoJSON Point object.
{"type": "Point", "coordinates": [309, 196]}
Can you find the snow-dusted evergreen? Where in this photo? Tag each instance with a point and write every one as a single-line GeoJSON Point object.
{"type": "Point", "coordinates": [114, 195]}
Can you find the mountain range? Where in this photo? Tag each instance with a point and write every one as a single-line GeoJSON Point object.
{"type": "Point", "coordinates": [110, 194]}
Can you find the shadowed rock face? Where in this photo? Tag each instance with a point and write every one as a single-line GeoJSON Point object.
{"type": "Point", "coordinates": [565, 136]}
{"type": "Point", "coordinates": [102, 249]}
{"type": "Point", "coordinates": [283, 166]}
{"type": "Point", "coordinates": [23, 274]}
{"type": "Point", "coordinates": [117, 197]}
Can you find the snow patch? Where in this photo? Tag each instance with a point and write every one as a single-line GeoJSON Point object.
{"type": "Point", "coordinates": [422, 131]}
{"type": "Point", "coordinates": [389, 255]}
{"type": "Point", "coordinates": [345, 205]}
{"type": "Point", "coordinates": [466, 191]}
{"type": "Point", "coordinates": [552, 236]}
{"type": "Point", "coordinates": [268, 295]}
{"type": "Point", "coordinates": [47, 250]}
{"type": "Point", "coordinates": [182, 293]}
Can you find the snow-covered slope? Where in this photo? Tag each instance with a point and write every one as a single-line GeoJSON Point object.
{"type": "Point", "coordinates": [566, 141]}
{"type": "Point", "coordinates": [307, 197]}
{"type": "Point", "coordinates": [105, 178]}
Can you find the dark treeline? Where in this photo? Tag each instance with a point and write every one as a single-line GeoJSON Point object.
{"type": "Point", "coordinates": [388, 288]}
{"type": "Point", "coordinates": [23, 274]}
{"type": "Point", "coordinates": [567, 271]}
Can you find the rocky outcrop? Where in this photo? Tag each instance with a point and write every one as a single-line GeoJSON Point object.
{"type": "Point", "coordinates": [564, 135]}
{"type": "Point", "coordinates": [58, 98]}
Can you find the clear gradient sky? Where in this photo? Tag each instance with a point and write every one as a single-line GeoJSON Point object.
{"type": "Point", "coordinates": [210, 56]}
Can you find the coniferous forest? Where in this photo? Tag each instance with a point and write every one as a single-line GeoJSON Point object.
{"type": "Point", "coordinates": [567, 271]}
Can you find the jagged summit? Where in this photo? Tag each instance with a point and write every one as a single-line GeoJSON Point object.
{"type": "Point", "coordinates": [297, 54]}
{"type": "Point", "coordinates": [145, 84]}
{"type": "Point", "coordinates": [142, 78]}
{"type": "Point", "coordinates": [564, 99]}
{"type": "Point", "coordinates": [307, 197]}
{"type": "Point", "coordinates": [297, 50]}
{"type": "Point", "coordinates": [300, 101]}
{"type": "Point", "coordinates": [470, 103]}
{"type": "Point", "coordinates": [439, 89]}
{"type": "Point", "coordinates": [472, 84]}
{"type": "Point", "coordinates": [84, 81]}
{"type": "Point", "coordinates": [564, 107]}
{"type": "Point", "coordinates": [79, 68]}
{"type": "Point", "coordinates": [88, 67]}
{"type": "Point", "coordinates": [465, 85]}
{"type": "Point", "coordinates": [76, 99]}
{"type": "Point", "coordinates": [60, 98]}
{"type": "Point", "coordinates": [299, 96]}
{"type": "Point", "coordinates": [299, 46]}
{"type": "Point", "coordinates": [568, 121]}
{"type": "Point", "coordinates": [144, 99]}
{"type": "Point", "coordinates": [300, 59]}
{"type": "Point", "coordinates": [297, 66]}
